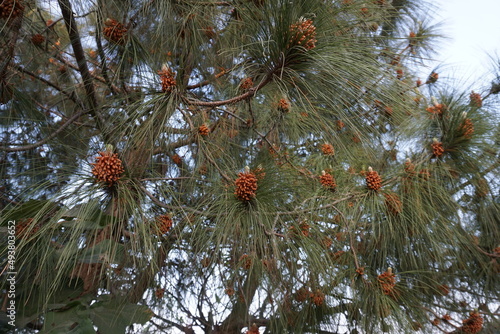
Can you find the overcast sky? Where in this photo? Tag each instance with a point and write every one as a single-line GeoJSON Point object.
{"type": "Point", "coordinates": [474, 31]}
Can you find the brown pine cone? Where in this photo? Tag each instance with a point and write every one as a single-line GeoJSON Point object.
{"type": "Point", "coordinates": [163, 224]}
{"type": "Point", "coordinates": [328, 181]}
{"type": "Point", "coordinates": [373, 180]}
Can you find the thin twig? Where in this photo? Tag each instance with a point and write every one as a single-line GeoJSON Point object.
{"type": "Point", "coordinates": [206, 82]}
{"type": "Point", "coordinates": [170, 207]}
{"type": "Point", "coordinates": [70, 95]}
{"type": "Point", "coordinates": [46, 139]}
{"type": "Point", "coordinates": [251, 92]}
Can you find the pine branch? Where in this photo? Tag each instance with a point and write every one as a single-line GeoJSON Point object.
{"type": "Point", "coordinates": [71, 95]}
{"type": "Point", "coordinates": [235, 320]}
{"type": "Point", "coordinates": [16, 27]}
{"type": "Point", "coordinates": [46, 139]}
{"type": "Point", "coordinates": [207, 82]}
{"type": "Point", "coordinates": [67, 63]}
{"type": "Point", "coordinates": [171, 207]}
{"type": "Point", "coordinates": [494, 166]}
{"type": "Point", "coordinates": [100, 50]}
{"type": "Point", "coordinates": [251, 92]}
{"type": "Point", "coordinates": [74, 36]}
{"type": "Point", "coordinates": [146, 276]}
{"type": "Point", "coordinates": [184, 329]}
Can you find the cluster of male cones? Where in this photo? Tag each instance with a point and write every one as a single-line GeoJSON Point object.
{"type": "Point", "coordinates": [114, 31]}
{"type": "Point", "coordinates": [303, 34]}
{"type": "Point", "coordinates": [246, 185]}
{"type": "Point", "coordinates": [10, 9]}
{"type": "Point", "coordinates": [108, 168]}
{"type": "Point", "coordinates": [167, 78]}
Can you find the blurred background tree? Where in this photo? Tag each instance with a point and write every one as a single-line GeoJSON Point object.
{"type": "Point", "coordinates": [243, 166]}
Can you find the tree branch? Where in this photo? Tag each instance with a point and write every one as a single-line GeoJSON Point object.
{"type": "Point", "coordinates": [46, 139]}
{"type": "Point", "coordinates": [74, 36]}
{"type": "Point", "coordinates": [70, 95]}
{"type": "Point", "coordinates": [184, 329]}
{"type": "Point", "coordinates": [251, 92]}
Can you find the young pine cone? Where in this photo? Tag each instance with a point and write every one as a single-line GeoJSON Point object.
{"type": "Point", "coordinates": [373, 180]}
{"type": "Point", "coordinates": [328, 181]}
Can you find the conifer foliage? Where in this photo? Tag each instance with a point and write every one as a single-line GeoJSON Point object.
{"type": "Point", "coordinates": [243, 166]}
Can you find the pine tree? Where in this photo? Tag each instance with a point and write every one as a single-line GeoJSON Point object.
{"type": "Point", "coordinates": [243, 166]}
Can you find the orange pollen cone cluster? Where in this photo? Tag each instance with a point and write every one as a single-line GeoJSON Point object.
{"type": "Point", "coordinates": [436, 109]}
{"type": "Point", "coordinates": [437, 148]}
{"type": "Point", "coordinates": [114, 31]}
{"type": "Point", "coordinates": [37, 39]}
{"type": "Point", "coordinates": [10, 9]}
{"type": "Point", "coordinates": [283, 105]}
{"type": "Point", "coordinates": [203, 130]}
{"type": "Point", "coordinates": [476, 100]}
{"type": "Point", "coordinates": [304, 34]}
{"type": "Point", "coordinates": [246, 84]}
{"type": "Point", "coordinates": [393, 203]}
{"type": "Point", "coordinates": [467, 128]}
{"type": "Point", "coordinates": [318, 298]}
{"type": "Point", "coordinates": [167, 77]}
{"type": "Point", "coordinates": [246, 186]}
{"type": "Point", "coordinates": [302, 294]}
{"type": "Point", "coordinates": [25, 229]}
{"type": "Point", "coordinates": [387, 282]}
{"type": "Point", "coordinates": [246, 261]}
{"type": "Point", "coordinates": [473, 324]}
{"type": "Point", "coordinates": [163, 224]}
{"type": "Point", "coordinates": [107, 168]}
{"type": "Point", "coordinates": [327, 180]}
{"type": "Point", "coordinates": [254, 329]}
{"type": "Point", "coordinates": [327, 149]}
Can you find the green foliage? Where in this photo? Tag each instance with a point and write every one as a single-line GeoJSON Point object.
{"type": "Point", "coordinates": [195, 103]}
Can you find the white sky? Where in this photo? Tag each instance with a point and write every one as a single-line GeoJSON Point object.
{"type": "Point", "coordinates": [474, 31]}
